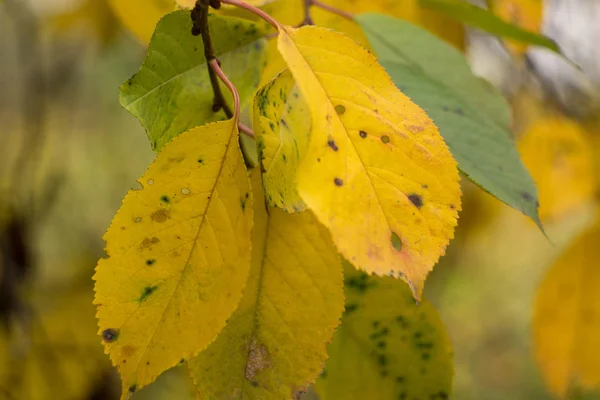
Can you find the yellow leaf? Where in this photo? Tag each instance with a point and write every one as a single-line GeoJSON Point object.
{"type": "Point", "coordinates": [377, 172]}
{"type": "Point", "coordinates": [274, 345]}
{"type": "Point", "coordinates": [178, 255]}
{"type": "Point", "coordinates": [282, 123]}
{"type": "Point", "coordinates": [409, 10]}
{"type": "Point", "coordinates": [526, 14]}
{"type": "Point", "coordinates": [141, 16]}
{"type": "Point", "coordinates": [566, 327]}
{"type": "Point", "coordinates": [55, 354]}
{"type": "Point", "coordinates": [93, 14]}
{"type": "Point", "coordinates": [387, 347]}
{"type": "Point", "coordinates": [559, 156]}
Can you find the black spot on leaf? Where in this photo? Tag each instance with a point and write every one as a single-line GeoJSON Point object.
{"type": "Point", "coordinates": [132, 388]}
{"type": "Point", "coordinates": [331, 143]}
{"type": "Point", "coordinates": [165, 199]}
{"type": "Point", "coordinates": [362, 134]}
{"type": "Point", "coordinates": [526, 196]}
{"type": "Point", "coordinates": [416, 199]}
{"type": "Point", "coordinates": [150, 262]}
{"type": "Point", "coordinates": [110, 335]}
{"type": "Point", "coordinates": [338, 182]}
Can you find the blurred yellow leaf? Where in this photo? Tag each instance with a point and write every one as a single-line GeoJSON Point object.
{"type": "Point", "coordinates": [178, 255]}
{"type": "Point", "coordinates": [56, 354]}
{"type": "Point", "coordinates": [558, 153]}
{"type": "Point", "coordinates": [387, 347]}
{"type": "Point", "coordinates": [93, 14]}
{"type": "Point", "coordinates": [274, 345]}
{"type": "Point", "coordinates": [526, 14]}
{"type": "Point", "coordinates": [409, 10]}
{"type": "Point", "coordinates": [566, 327]}
{"type": "Point", "coordinates": [282, 122]}
{"type": "Point", "coordinates": [141, 16]}
{"type": "Point", "coordinates": [379, 175]}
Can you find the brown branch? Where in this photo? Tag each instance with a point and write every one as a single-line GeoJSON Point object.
{"type": "Point", "coordinates": [252, 9]}
{"type": "Point", "coordinates": [308, 20]}
{"type": "Point", "coordinates": [199, 17]}
{"type": "Point", "coordinates": [326, 7]}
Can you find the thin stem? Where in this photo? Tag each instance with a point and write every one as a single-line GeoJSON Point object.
{"type": "Point", "coordinates": [200, 19]}
{"type": "Point", "coordinates": [214, 65]}
{"type": "Point", "coordinates": [326, 7]}
{"type": "Point", "coordinates": [246, 130]}
{"type": "Point", "coordinates": [254, 10]}
{"type": "Point", "coordinates": [307, 15]}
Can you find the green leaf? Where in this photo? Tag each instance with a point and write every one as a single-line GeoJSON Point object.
{"type": "Point", "coordinates": [387, 347]}
{"type": "Point", "coordinates": [485, 20]}
{"type": "Point", "coordinates": [472, 116]}
{"type": "Point", "coordinates": [172, 92]}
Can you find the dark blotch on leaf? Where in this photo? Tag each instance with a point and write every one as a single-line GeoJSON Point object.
{"type": "Point", "coordinates": [132, 388]}
{"type": "Point", "coordinates": [338, 182]}
{"type": "Point", "coordinates": [165, 199]}
{"type": "Point", "coordinates": [340, 109]}
{"type": "Point", "coordinates": [385, 139]}
{"type": "Point", "coordinates": [200, 161]}
{"type": "Point", "coordinates": [150, 262]}
{"type": "Point", "coordinates": [396, 241]}
{"type": "Point", "coordinates": [148, 290]}
{"type": "Point", "coordinates": [254, 383]}
{"type": "Point", "coordinates": [416, 199]}
{"type": "Point", "coordinates": [526, 196]}
{"type": "Point", "coordinates": [332, 144]}
{"type": "Point", "coordinates": [110, 335]}
{"type": "Point", "coordinates": [362, 134]}
{"type": "Point", "coordinates": [350, 308]}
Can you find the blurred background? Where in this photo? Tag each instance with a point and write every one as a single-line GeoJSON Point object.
{"type": "Point", "coordinates": [69, 153]}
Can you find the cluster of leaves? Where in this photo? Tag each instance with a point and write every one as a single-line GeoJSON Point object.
{"type": "Point", "coordinates": [240, 274]}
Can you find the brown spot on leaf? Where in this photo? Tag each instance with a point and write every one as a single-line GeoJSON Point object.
{"type": "Point", "coordinates": [415, 128]}
{"type": "Point", "coordinates": [127, 351]}
{"type": "Point", "coordinates": [258, 360]}
{"type": "Point", "coordinates": [416, 199]}
{"type": "Point", "coordinates": [362, 134]}
{"type": "Point", "coordinates": [385, 139]}
{"type": "Point", "coordinates": [160, 216]}
{"type": "Point", "coordinates": [331, 143]}
{"type": "Point", "coordinates": [338, 182]}
{"type": "Point", "coordinates": [148, 242]}
{"type": "Point", "coordinates": [526, 196]}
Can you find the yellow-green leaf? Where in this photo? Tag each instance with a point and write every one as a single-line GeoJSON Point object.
{"type": "Point", "coordinates": [377, 172]}
{"type": "Point", "coordinates": [387, 347]}
{"type": "Point", "coordinates": [566, 327]}
{"type": "Point", "coordinates": [274, 345]}
{"type": "Point", "coordinates": [282, 125]}
{"type": "Point", "coordinates": [141, 16]}
{"type": "Point", "coordinates": [178, 255]}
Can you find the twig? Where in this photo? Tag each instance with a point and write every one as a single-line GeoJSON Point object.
{"type": "Point", "coordinates": [199, 17]}
{"type": "Point", "coordinates": [214, 65]}
{"type": "Point", "coordinates": [326, 7]}
{"type": "Point", "coordinates": [307, 16]}
{"type": "Point", "coordinates": [254, 10]}
{"type": "Point", "coordinates": [246, 130]}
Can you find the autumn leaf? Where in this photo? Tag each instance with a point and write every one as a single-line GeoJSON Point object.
{"type": "Point", "coordinates": [55, 355]}
{"type": "Point", "coordinates": [558, 152]}
{"type": "Point", "coordinates": [371, 152]}
{"type": "Point", "coordinates": [274, 344]}
{"type": "Point", "coordinates": [473, 117]}
{"type": "Point", "coordinates": [565, 323]}
{"type": "Point", "coordinates": [178, 255]}
{"type": "Point", "coordinates": [96, 15]}
{"type": "Point", "coordinates": [172, 91]}
{"type": "Point", "coordinates": [526, 14]}
{"type": "Point", "coordinates": [409, 10]}
{"type": "Point", "coordinates": [141, 16]}
{"type": "Point", "coordinates": [283, 123]}
{"type": "Point", "coordinates": [387, 347]}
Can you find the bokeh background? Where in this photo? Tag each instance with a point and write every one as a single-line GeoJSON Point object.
{"type": "Point", "coordinates": [69, 152]}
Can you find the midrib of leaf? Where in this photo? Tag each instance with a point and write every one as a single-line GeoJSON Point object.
{"type": "Point", "coordinates": [182, 73]}
{"type": "Point", "coordinates": [187, 265]}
